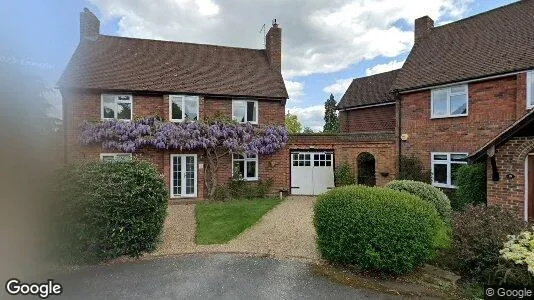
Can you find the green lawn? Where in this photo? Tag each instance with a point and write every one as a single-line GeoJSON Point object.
{"type": "Point", "coordinates": [220, 222]}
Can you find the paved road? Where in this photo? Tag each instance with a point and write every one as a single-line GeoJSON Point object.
{"type": "Point", "coordinates": [213, 276]}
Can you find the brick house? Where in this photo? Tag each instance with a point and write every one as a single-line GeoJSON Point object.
{"type": "Point", "coordinates": [111, 77]}
{"type": "Point", "coordinates": [463, 94]}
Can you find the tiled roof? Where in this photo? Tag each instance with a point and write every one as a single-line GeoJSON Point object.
{"type": "Point", "coordinates": [369, 90]}
{"type": "Point", "coordinates": [495, 42]}
{"type": "Point", "coordinates": [129, 64]}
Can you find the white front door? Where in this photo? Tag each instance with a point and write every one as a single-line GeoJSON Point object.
{"type": "Point", "coordinates": [183, 175]}
{"type": "Point", "coordinates": [312, 173]}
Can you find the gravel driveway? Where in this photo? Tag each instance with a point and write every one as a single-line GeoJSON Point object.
{"type": "Point", "coordinates": [286, 231]}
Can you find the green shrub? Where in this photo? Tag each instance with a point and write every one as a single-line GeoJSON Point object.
{"type": "Point", "coordinates": [471, 182]}
{"type": "Point", "coordinates": [344, 175]}
{"type": "Point", "coordinates": [516, 266]}
{"type": "Point", "coordinates": [242, 189]}
{"type": "Point", "coordinates": [411, 168]}
{"type": "Point", "coordinates": [428, 193]}
{"type": "Point", "coordinates": [375, 228]}
{"type": "Point", "coordinates": [221, 193]}
{"type": "Point", "coordinates": [478, 234]}
{"type": "Point", "coordinates": [106, 210]}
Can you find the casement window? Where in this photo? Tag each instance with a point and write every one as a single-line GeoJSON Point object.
{"type": "Point", "coordinates": [245, 111]}
{"type": "Point", "coordinates": [108, 157]}
{"type": "Point", "coordinates": [116, 107]}
{"type": "Point", "coordinates": [530, 89]}
{"type": "Point", "coordinates": [246, 166]}
{"type": "Point", "coordinates": [449, 102]}
{"type": "Point", "coordinates": [183, 108]}
{"type": "Point", "coordinates": [444, 166]}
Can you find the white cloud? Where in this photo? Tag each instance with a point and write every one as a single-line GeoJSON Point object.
{"type": "Point", "coordinates": [312, 116]}
{"type": "Point", "coordinates": [339, 87]}
{"type": "Point", "coordinates": [319, 36]}
{"type": "Point", "coordinates": [381, 68]}
{"type": "Point", "coordinates": [295, 90]}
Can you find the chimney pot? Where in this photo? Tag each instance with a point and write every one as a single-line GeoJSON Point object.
{"type": "Point", "coordinates": [89, 25]}
{"type": "Point", "coordinates": [423, 26]}
{"type": "Point", "coordinates": [273, 46]}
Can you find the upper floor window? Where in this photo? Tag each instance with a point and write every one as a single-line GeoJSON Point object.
{"type": "Point", "coordinates": [107, 157]}
{"type": "Point", "coordinates": [245, 166]}
{"type": "Point", "coordinates": [116, 107]}
{"type": "Point", "coordinates": [183, 108]}
{"type": "Point", "coordinates": [449, 102]}
{"type": "Point", "coordinates": [444, 166]}
{"type": "Point", "coordinates": [245, 111]}
{"type": "Point", "coordinates": [530, 89]}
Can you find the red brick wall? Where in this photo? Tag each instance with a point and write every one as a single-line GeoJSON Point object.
{"type": "Point", "coordinates": [510, 158]}
{"type": "Point", "coordinates": [493, 106]}
{"type": "Point", "coordinates": [372, 119]}
{"type": "Point", "coordinates": [80, 106]}
{"type": "Point", "coordinates": [348, 151]}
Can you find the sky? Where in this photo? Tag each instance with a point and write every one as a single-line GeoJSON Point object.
{"type": "Point", "coordinates": [325, 43]}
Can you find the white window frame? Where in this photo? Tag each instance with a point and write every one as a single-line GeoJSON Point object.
{"type": "Point", "coordinates": [244, 101]}
{"type": "Point", "coordinates": [102, 155]}
{"type": "Point", "coordinates": [449, 94]}
{"type": "Point", "coordinates": [116, 110]}
{"type": "Point", "coordinates": [171, 177]}
{"type": "Point", "coordinates": [246, 159]}
{"type": "Point", "coordinates": [182, 97]}
{"type": "Point", "coordinates": [447, 162]}
{"type": "Point", "coordinates": [530, 92]}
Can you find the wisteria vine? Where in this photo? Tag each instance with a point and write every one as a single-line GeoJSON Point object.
{"type": "Point", "coordinates": [129, 136]}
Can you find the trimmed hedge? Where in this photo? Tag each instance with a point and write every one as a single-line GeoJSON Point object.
{"type": "Point", "coordinates": [376, 228]}
{"type": "Point", "coordinates": [106, 210]}
{"type": "Point", "coordinates": [471, 182]}
{"type": "Point", "coordinates": [411, 168]}
{"type": "Point", "coordinates": [428, 193]}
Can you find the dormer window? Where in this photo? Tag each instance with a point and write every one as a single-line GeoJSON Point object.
{"type": "Point", "coordinates": [530, 89]}
{"type": "Point", "coordinates": [449, 102]}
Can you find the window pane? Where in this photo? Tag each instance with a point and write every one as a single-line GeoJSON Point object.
{"type": "Point", "coordinates": [459, 104]}
{"type": "Point", "coordinates": [176, 108]}
{"type": "Point", "coordinates": [440, 156]}
{"type": "Point", "coordinates": [458, 157]}
{"type": "Point", "coordinates": [239, 168]}
{"type": "Point", "coordinates": [251, 112]}
{"type": "Point", "coordinates": [251, 169]}
{"type": "Point", "coordinates": [123, 157]}
{"type": "Point", "coordinates": [191, 108]}
{"type": "Point", "coordinates": [439, 102]}
{"type": "Point", "coordinates": [440, 173]}
{"type": "Point", "coordinates": [124, 111]}
{"type": "Point", "coordinates": [108, 103]}
{"type": "Point", "coordinates": [458, 89]}
{"type": "Point", "coordinates": [239, 111]}
{"type": "Point", "coordinates": [108, 158]}
{"type": "Point", "coordinates": [454, 167]}
{"type": "Point", "coordinates": [531, 87]}
{"type": "Point", "coordinates": [124, 97]}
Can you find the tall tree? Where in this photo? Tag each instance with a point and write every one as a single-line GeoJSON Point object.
{"type": "Point", "coordinates": [307, 130]}
{"type": "Point", "coordinates": [331, 120]}
{"type": "Point", "coordinates": [292, 123]}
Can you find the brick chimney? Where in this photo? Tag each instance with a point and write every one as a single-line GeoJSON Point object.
{"type": "Point", "coordinates": [273, 46]}
{"type": "Point", "coordinates": [89, 26]}
{"type": "Point", "coordinates": [423, 26]}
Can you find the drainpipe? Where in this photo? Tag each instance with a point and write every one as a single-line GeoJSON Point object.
{"type": "Point", "coordinates": [399, 131]}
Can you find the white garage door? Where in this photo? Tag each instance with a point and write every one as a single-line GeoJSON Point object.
{"type": "Point", "coordinates": [312, 173]}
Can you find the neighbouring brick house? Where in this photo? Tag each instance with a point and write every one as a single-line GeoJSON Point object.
{"type": "Point", "coordinates": [463, 94]}
{"type": "Point", "coordinates": [111, 77]}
